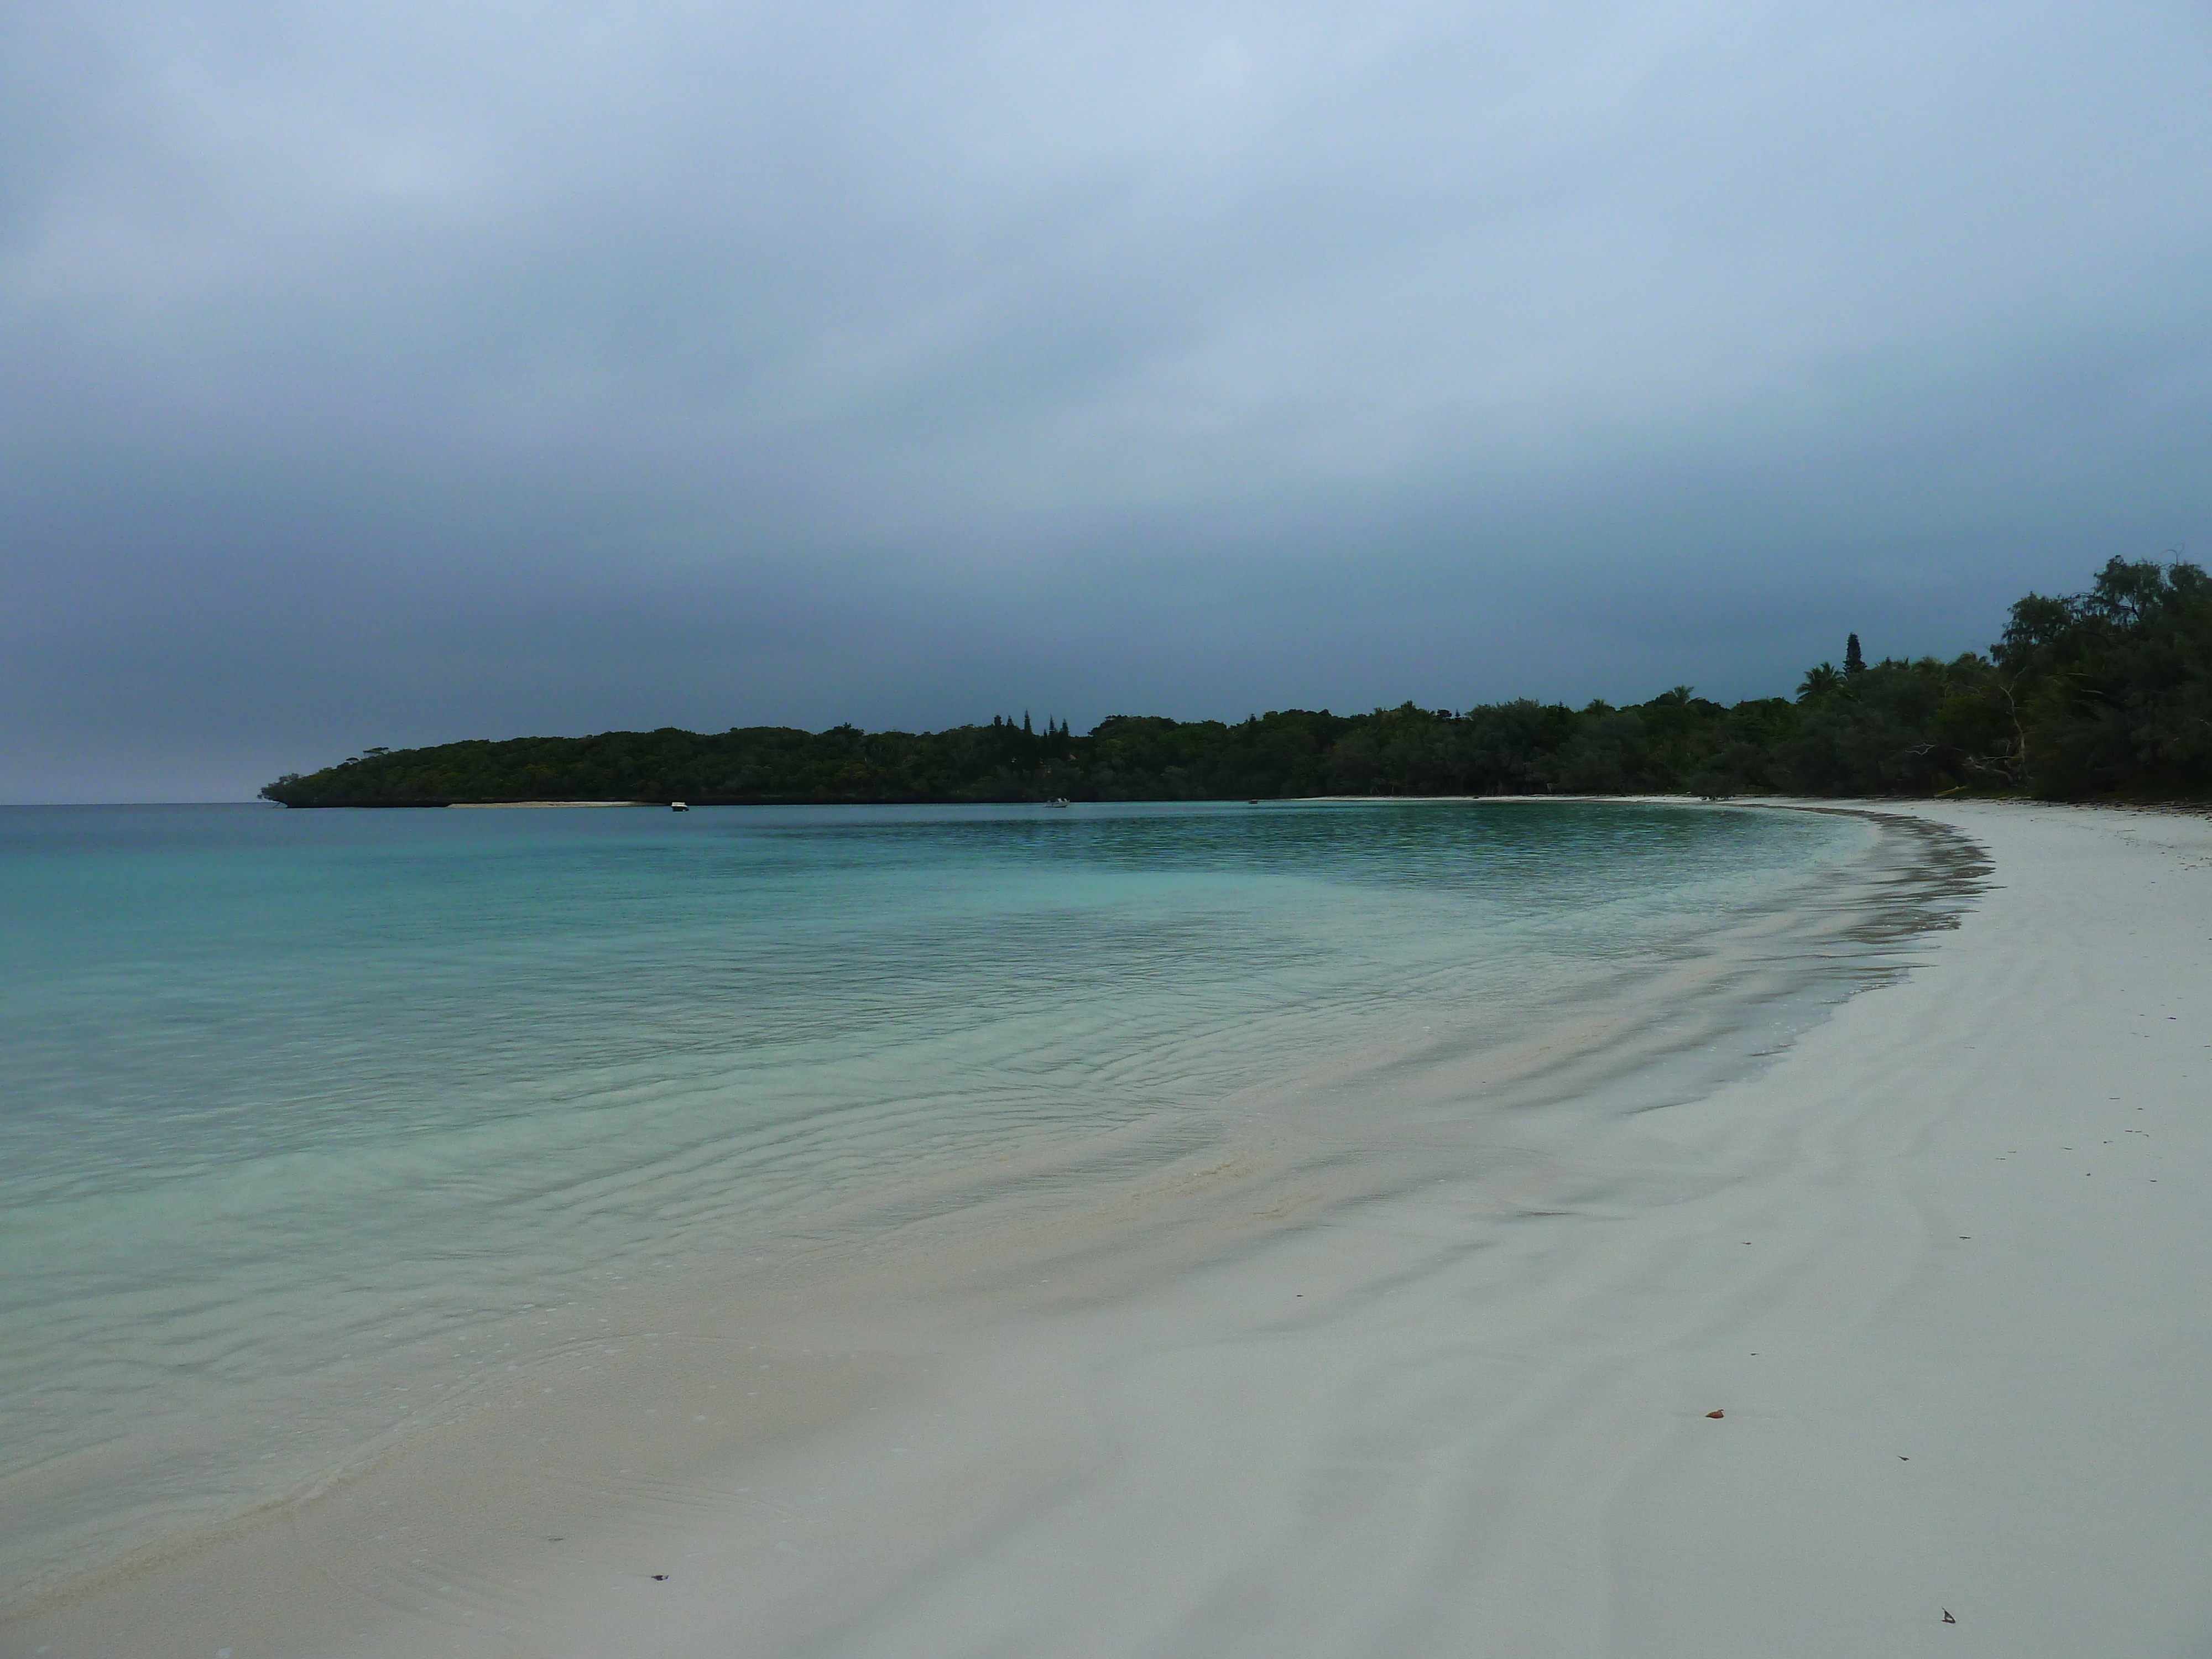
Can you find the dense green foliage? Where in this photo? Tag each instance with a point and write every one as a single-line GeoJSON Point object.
{"type": "Point", "coordinates": [2107, 692]}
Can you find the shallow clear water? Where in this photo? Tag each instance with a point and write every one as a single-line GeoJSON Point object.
{"type": "Point", "coordinates": [289, 1094]}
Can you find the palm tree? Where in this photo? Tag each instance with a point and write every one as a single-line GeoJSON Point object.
{"type": "Point", "coordinates": [1822, 682]}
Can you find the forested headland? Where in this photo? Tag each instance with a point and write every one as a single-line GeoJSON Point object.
{"type": "Point", "coordinates": [2107, 693]}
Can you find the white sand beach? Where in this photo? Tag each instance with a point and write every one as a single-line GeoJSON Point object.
{"type": "Point", "coordinates": [1911, 1323]}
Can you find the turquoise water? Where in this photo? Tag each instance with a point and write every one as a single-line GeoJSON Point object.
{"type": "Point", "coordinates": [293, 1097]}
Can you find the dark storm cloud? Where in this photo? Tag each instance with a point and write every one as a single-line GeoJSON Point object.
{"type": "Point", "coordinates": [390, 375]}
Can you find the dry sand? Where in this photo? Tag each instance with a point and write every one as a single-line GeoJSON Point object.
{"type": "Point", "coordinates": [1912, 1322]}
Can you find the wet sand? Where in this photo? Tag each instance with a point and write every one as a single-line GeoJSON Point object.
{"type": "Point", "coordinates": [1939, 1270]}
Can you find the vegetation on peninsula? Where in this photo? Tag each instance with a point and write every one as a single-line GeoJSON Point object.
{"type": "Point", "coordinates": [2103, 693]}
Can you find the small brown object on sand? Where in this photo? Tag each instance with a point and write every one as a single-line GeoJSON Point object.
{"type": "Point", "coordinates": [1716, 1413]}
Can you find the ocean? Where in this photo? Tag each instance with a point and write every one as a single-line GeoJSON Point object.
{"type": "Point", "coordinates": [309, 1117]}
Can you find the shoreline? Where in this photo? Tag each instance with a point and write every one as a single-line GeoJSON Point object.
{"type": "Point", "coordinates": [1199, 1438]}
{"type": "Point", "coordinates": [100, 1490]}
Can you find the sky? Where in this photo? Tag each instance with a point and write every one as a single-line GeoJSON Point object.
{"type": "Point", "coordinates": [392, 374]}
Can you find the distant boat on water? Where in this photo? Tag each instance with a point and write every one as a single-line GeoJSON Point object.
{"type": "Point", "coordinates": [1057, 800]}
{"type": "Point", "coordinates": [678, 806]}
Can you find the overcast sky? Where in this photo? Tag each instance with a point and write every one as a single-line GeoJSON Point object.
{"type": "Point", "coordinates": [399, 372]}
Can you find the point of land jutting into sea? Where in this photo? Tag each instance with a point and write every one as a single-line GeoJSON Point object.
{"type": "Point", "coordinates": [2107, 693]}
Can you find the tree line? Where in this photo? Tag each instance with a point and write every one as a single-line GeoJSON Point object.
{"type": "Point", "coordinates": [2104, 693]}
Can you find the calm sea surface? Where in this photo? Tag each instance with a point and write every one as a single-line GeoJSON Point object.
{"type": "Point", "coordinates": [287, 1095]}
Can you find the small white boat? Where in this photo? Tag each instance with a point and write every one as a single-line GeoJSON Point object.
{"type": "Point", "coordinates": [678, 806]}
{"type": "Point", "coordinates": [1057, 800]}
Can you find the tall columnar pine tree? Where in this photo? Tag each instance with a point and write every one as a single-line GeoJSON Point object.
{"type": "Point", "coordinates": [1854, 658]}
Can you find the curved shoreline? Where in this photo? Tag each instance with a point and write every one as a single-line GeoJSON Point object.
{"type": "Point", "coordinates": [1146, 1199]}
{"type": "Point", "coordinates": [1554, 1261]}
{"type": "Point", "coordinates": [333, 1364]}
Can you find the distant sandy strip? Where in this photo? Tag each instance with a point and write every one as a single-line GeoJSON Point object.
{"type": "Point", "coordinates": [1916, 1323]}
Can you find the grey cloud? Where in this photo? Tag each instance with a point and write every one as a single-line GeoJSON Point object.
{"type": "Point", "coordinates": [398, 373]}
